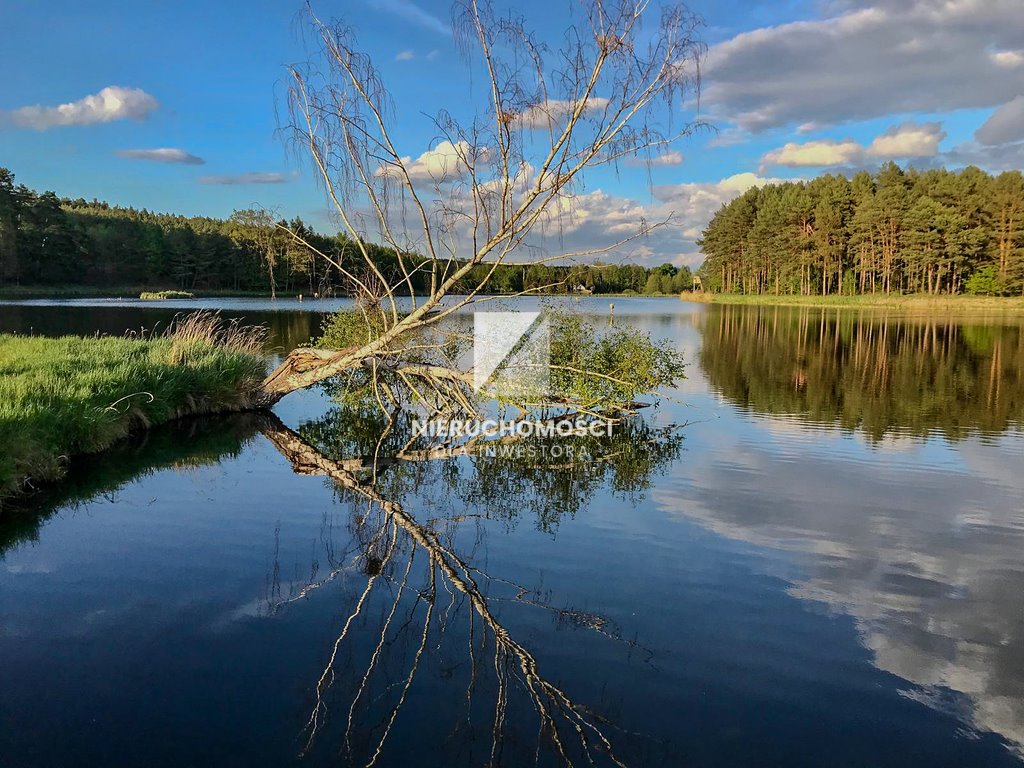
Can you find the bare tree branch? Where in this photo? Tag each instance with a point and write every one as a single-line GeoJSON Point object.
{"type": "Point", "coordinates": [492, 184]}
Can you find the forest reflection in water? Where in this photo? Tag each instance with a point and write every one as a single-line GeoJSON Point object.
{"type": "Point", "coordinates": [909, 517]}
{"type": "Point", "coordinates": [180, 445]}
{"type": "Point", "coordinates": [880, 372]}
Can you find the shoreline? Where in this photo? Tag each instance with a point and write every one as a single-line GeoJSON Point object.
{"type": "Point", "coordinates": [17, 292]}
{"type": "Point", "coordinates": [57, 293]}
{"type": "Point", "coordinates": [904, 302]}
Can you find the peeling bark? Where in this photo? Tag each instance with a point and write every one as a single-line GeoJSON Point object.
{"type": "Point", "coordinates": [303, 368]}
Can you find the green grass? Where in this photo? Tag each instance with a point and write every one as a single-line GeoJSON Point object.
{"type": "Point", "coordinates": [68, 396]}
{"type": "Point", "coordinates": [152, 295]}
{"type": "Point", "coordinates": [910, 302]}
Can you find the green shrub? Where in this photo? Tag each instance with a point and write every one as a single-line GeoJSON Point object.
{"type": "Point", "coordinates": [608, 367]}
{"type": "Point", "coordinates": [986, 282]}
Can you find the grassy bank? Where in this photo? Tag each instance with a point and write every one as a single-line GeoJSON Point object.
{"type": "Point", "coordinates": [910, 303]}
{"type": "Point", "coordinates": [68, 396]}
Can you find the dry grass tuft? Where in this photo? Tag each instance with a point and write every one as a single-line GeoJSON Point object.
{"type": "Point", "coordinates": [199, 331]}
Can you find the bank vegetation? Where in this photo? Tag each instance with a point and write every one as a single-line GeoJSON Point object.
{"type": "Point", "coordinates": [67, 396]}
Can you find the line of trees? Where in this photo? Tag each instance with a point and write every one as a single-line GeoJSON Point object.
{"type": "Point", "coordinates": [897, 231]}
{"type": "Point", "coordinates": [46, 240]}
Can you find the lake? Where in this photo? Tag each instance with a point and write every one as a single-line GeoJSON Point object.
{"type": "Point", "coordinates": [811, 553]}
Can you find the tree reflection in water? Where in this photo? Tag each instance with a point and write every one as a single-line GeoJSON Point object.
{"type": "Point", "coordinates": [880, 372]}
{"type": "Point", "coordinates": [430, 587]}
{"type": "Point", "coordinates": [429, 584]}
{"type": "Point", "coordinates": [924, 554]}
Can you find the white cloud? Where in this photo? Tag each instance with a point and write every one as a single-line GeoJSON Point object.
{"type": "Point", "coordinates": [585, 222]}
{"type": "Point", "coordinates": [892, 57]}
{"type": "Point", "coordinates": [111, 103]}
{"type": "Point", "coordinates": [904, 141]}
{"type": "Point", "coordinates": [908, 140]}
{"type": "Point", "coordinates": [699, 200]}
{"type": "Point", "coordinates": [597, 219]}
{"type": "Point", "coordinates": [433, 54]}
{"type": "Point", "coordinates": [405, 56]}
{"type": "Point", "coordinates": [1008, 58]}
{"type": "Point", "coordinates": [255, 177]}
{"type": "Point", "coordinates": [445, 162]}
{"type": "Point", "coordinates": [815, 154]}
{"type": "Point", "coordinates": [996, 157]}
{"type": "Point", "coordinates": [163, 155]}
{"type": "Point", "coordinates": [554, 111]}
{"type": "Point", "coordinates": [1004, 125]}
{"type": "Point", "coordinates": [411, 13]}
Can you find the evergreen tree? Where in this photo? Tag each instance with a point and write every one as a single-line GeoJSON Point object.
{"type": "Point", "coordinates": [894, 231]}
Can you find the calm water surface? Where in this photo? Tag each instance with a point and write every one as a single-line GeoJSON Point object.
{"type": "Point", "coordinates": [824, 566]}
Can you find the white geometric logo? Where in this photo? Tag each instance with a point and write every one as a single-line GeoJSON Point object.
{"type": "Point", "coordinates": [511, 354]}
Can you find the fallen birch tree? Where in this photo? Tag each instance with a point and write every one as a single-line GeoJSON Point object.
{"type": "Point", "coordinates": [504, 179]}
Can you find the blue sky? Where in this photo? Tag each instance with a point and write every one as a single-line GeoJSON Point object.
{"type": "Point", "coordinates": [794, 89]}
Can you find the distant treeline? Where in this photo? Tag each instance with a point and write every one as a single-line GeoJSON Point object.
{"type": "Point", "coordinates": [896, 231]}
{"type": "Point", "coordinates": [50, 241]}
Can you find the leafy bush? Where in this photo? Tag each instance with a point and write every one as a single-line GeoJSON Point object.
{"type": "Point", "coordinates": [986, 282]}
{"type": "Point", "coordinates": [608, 367]}
{"type": "Point", "coordinates": [350, 328]}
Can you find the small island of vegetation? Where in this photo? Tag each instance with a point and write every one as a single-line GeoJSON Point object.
{"type": "Point", "coordinates": [159, 295]}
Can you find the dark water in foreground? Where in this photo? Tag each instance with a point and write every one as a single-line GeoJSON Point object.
{"type": "Point", "coordinates": [824, 567]}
